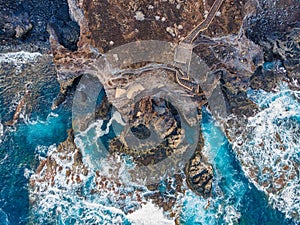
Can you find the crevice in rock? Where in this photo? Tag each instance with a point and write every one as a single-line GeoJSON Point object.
{"type": "Point", "coordinates": [67, 30]}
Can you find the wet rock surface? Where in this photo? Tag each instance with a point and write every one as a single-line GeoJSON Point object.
{"type": "Point", "coordinates": [199, 176]}
{"type": "Point", "coordinates": [24, 23]}
{"type": "Point", "coordinates": [252, 44]}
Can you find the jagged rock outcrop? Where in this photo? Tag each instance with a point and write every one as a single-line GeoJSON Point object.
{"type": "Point", "coordinates": [199, 176]}
{"type": "Point", "coordinates": [243, 52]}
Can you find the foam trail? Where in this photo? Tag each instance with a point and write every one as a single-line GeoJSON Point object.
{"type": "Point", "coordinates": [89, 141]}
{"type": "Point", "coordinates": [3, 218]}
{"type": "Point", "coordinates": [1, 132]}
{"type": "Point", "coordinates": [19, 58]}
{"type": "Point", "coordinates": [149, 214]}
{"type": "Point", "coordinates": [269, 148]}
{"type": "Point", "coordinates": [43, 131]}
{"type": "Point", "coordinates": [224, 206]}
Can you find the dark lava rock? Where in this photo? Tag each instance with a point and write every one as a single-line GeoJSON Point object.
{"type": "Point", "coordinates": [275, 27]}
{"type": "Point", "coordinates": [14, 26]}
{"type": "Point", "coordinates": [271, 17]}
{"type": "Point", "coordinates": [66, 31]}
{"type": "Point", "coordinates": [199, 176]}
{"type": "Point", "coordinates": [140, 131]}
{"type": "Point", "coordinates": [268, 76]}
{"type": "Point", "coordinates": [25, 22]}
{"type": "Point", "coordinates": [239, 104]}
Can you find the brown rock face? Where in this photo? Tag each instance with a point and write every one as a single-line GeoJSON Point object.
{"type": "Point", "coordinates": [199, 172]}
{"type": "Point", "coordinates": [113, 23]}
{"type": "Point", "coordinates": [107, 24]}
{"type": "Point", "coordinates": [199, 176]}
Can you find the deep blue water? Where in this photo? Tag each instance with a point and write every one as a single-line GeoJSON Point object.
{"type": "Point", "coordinates": [235, 200]}
{"type": "Point", "coordinates": [18, 153]}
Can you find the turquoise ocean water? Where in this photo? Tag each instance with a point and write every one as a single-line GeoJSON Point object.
{"type": "Point", "coordinates": [235, 200]}
{"type": "Point", "coordinates": [19, 150]}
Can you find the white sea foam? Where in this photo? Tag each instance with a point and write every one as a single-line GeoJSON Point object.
{"type": "Point", "coordinates": [63, 206]}
{"type": "Point", "coordinates": [19, 58]}
{"type": "Point", "coordinates": [38, 120]}
{"type": "Point", "coordinates": [149, 214]}
{"type": "Point", "coordinates": [269, 148]}
{"type": "Point", "coordinates": [28, 173]}
{"type": "Point", "coordinates": [89, 141]}
{"type": "Point", "coordinates": [1, 132]}
{"type": "Point", "coordinates": [60, 202]}
{"type": "Point", "coordinates": [58, 198]}
{"type": "Point", "coordinates": [42, 151]}
{"type": "Point", "coordinates": [208, 211]}
{"type": "Point", "coordinates": [224, 205]}
{"type": "Point", "coordinates": [3, 218]}
{"type": "Point", "coordinates": [231, 215]}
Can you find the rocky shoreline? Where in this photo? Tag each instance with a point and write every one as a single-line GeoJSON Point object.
{"type": "Point", "coordinates": [250, 45]}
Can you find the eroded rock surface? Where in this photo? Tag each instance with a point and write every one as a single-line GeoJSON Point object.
{"type": "Point", "coordinates": [245, 52]}
{"type": "Point", "coordinates": [24, 24]}
{"type": "Point", "coordinates": [126, 21]}
{"type": "Point", "coordinates": [199, 176]}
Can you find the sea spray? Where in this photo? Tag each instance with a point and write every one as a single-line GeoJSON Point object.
{"type": "Point", "coordinates": [149, 214]}
{"type": "Point", "coordinates": [269, 148]}
{"type": "Point", "coordinates": [1, 132]}
{"type": "Point", "coordinates": [93, 198]}
{"type": "Point", "coordinates": [78, 193]}
{"type": "Point", "coordinates": [228, 188]}
{"type": "Point", "coordinates": [234, 199]}
{"type": "Point", "coordinates": [91, 140]}
{"type": "Point", "coordinates": [19, 58]}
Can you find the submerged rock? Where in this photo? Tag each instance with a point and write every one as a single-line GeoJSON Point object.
{"type": "Point", "coordinates": [237, 47]}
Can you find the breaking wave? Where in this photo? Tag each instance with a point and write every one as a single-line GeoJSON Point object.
{"type": "Point", "coordinates": [234, 199]}
{"type": "Point", "coordinates": [228, 188]}
{"type": "Point", "coordinates": [269, 148]}
{"type": "Point", "coordinates": [61, 201]}
{"type": "Point", "coordinates": [1, 132]}
{"type": "Point", "coordinates": [64, 202]}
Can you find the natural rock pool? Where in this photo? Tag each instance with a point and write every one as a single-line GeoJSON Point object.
{"type": "Point", "coordinates": [235, 200]}
{"type": "Point", "coordinates": [136, 112]}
